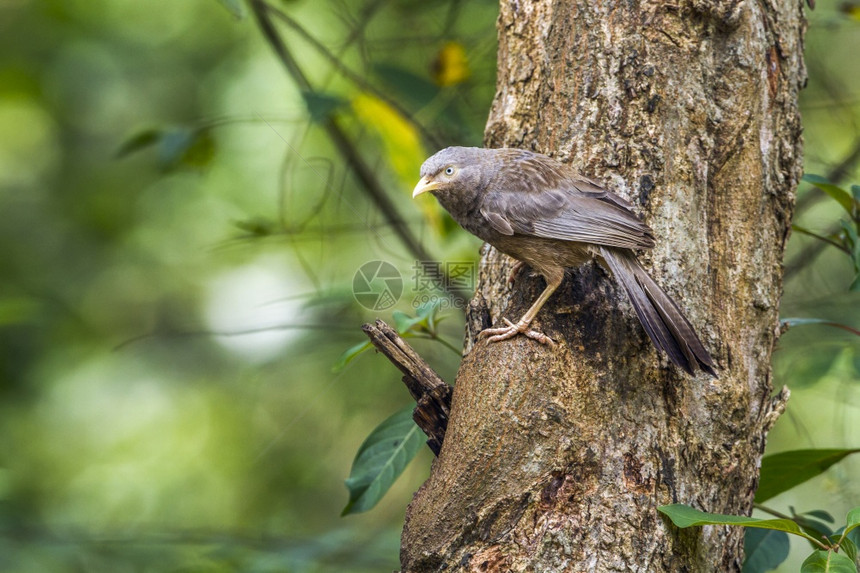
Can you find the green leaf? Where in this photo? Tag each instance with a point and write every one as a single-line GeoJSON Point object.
{"type": "Point", "coordinates": [429, 311]}
{"type": "Point", "coordinates": [765, 549]}
{"type": "Point", "coordinates": [381, 459]}
{"type": "Point", "coordinates": [235, 7]}
{"type": "Point", "coordinates": [846, 546]}
{"type": "Point", "coordinates": [853, 519]}
{"type": "Point", "coordinates": [854, 537]}
{"type": "Point", "coordinates": [404, 323]}
{"type": "Point", "coordinates": [851, 241]}
{"type": "Point", "coordinates": [836, 193]}
{"type": "Point", "coordinates": [257, 226]}
{"type": "Point", "coordinates": [189, 147]}
{"type": "Point", "coordinates": [350, 354]}
{"type": "Point", "coordinates": [321, 106]}
{"type": "Point", "coordinates": [417, 91]}
{"type": "Point", "coordinates": [686, 516]}
{"type": "Point", "coordinates": [827, 562]}
{"type": "Point", "coordinates": [855, 192]}
{"type": "Point", "coordinates": [19, 310]}
{"type": "Point", "coordinates": [781, 472]}
{"type": "Point", "coordinates": [814, 527]}
{"type": "Point", "coordinates": [138, 141]}
{"type": "Point", "coordinates": [426, 317]}
{"type": "Point", "coordinates": [832, 239]}
{"type": "Point", "coordinates": [820, 514]}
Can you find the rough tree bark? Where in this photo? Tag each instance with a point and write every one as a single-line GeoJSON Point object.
{"type": "Point", "coordinates": [555, 460]}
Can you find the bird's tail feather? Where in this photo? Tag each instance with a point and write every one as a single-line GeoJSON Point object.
{"type": "Point", "coordinates": [664, 322]}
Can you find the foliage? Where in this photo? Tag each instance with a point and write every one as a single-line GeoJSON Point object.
{"type": "Point", "coordinates": [785, 470]}
{"type": "Point", "coordinates": [381, 459]}
{"type": "Point", "coordinates": [846, 237]}
{"type": "Point", "coordinates": [180, 229]}
{"type": "Point", "coordinates": [827, 558]}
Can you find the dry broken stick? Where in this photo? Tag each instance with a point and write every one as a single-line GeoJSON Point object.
{"type": "Point", "coordinates": [431, 393]}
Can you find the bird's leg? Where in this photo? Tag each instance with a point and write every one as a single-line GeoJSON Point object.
{"type": "Point", "coordinates": [522, 326]}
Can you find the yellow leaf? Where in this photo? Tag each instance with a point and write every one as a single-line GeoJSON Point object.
{"type": "Point", "coordinates": [851, 9]}
{"type": "Point", "coordinates": [401, 143]}
{"type": "Point", "coordinates": [451, 66]}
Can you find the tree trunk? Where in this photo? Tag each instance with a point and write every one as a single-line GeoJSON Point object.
{"type": "Point", "coordinates": [556, 459]}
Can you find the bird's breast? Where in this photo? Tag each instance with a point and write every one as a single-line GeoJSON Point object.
{"type": "Point", "coordinates": [541, 254]}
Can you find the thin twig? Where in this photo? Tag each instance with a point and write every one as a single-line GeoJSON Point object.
{"type": "Point", "coordinates": [811, 252]}
{"type": "Point", "coordinates": [352, 76]}
{"type": "Point", "coordinates": [780, 515]}
{"type": "Point", "coordinates": [371, 185]}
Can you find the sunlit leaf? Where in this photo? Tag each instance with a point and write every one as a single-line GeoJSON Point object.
{"type": "Point", "coordinates": [785, 470]}
{"type": "Point", "coordinates": [686, 516]}
{"type": "Point", "coordinates": [827, 562]}
{"type": "Point", "coordinates": [835, 192]}
{"type": "Point", "coordinates": [451, 66]}
{"type": "Point", "coordinates": [851, 9]}
{"type": "Point", "coordinates": [765, 549]}
{"type": "Point", "coordinates": [402, 143]}
{"type": "Point", "coordinates": [235, 7]}
{"type": "Point", "coordinates": [381, 459]}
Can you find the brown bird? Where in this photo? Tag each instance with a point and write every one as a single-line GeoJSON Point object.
{"type": "Point", "coordinates": [542, 213]}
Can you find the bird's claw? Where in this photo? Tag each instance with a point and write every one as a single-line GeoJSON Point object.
{"type": "Point", "coordinates": [511, 330]}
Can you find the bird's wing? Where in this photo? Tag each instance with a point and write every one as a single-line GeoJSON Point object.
{"type": "Point", "coordinates": [540, 197]}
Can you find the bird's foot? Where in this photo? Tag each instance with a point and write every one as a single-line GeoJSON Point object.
{"type": "Point", "coordinates": [511, 330]}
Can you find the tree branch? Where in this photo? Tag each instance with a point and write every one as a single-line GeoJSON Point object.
{"type": "Point", "coordinates": [431, 393]}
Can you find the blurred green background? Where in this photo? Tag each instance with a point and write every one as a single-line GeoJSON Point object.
{"type": "Point", "coordinates": [178, 241]}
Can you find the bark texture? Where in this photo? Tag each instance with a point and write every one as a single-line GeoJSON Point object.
{"type": "Point", "coordinates": [555, 460]}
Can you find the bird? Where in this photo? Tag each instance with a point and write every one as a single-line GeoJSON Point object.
{"type": "Point", "coordinates": [547, 216]}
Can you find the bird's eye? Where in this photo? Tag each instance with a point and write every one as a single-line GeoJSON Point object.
{"type": "Point", "coordinates": [449, 171]}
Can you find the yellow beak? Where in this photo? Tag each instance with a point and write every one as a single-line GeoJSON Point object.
{"type": "Point", "coordinates": [423, 186]}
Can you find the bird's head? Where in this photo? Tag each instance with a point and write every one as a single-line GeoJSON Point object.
{"type": "Point", "coordinates": [455, 173]}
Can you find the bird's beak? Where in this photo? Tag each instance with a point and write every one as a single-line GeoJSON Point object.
{"type": "Point", "coordinates": [424, 185]}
